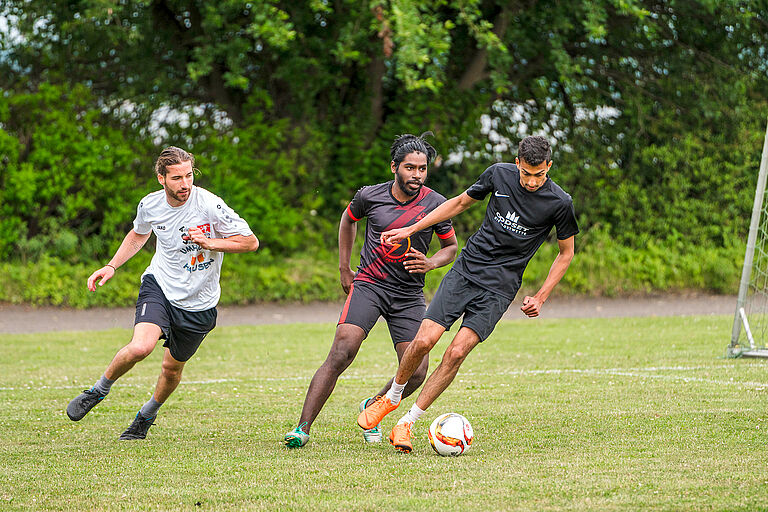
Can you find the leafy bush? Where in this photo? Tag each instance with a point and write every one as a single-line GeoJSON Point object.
{"type": "Point", "coordinates": [68, 180]}
{"type": "Point", "coordinates": [601, 267]}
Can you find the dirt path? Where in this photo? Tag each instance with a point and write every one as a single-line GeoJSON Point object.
{"type": "Point", "coordinates": [25, 319]}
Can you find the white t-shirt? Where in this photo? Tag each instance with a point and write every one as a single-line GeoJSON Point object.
{"type": "Point", "coordinates": [187, 273]}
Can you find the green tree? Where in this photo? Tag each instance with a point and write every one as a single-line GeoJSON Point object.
{"type": "Point", "coordinates": [655, 106]}
{"type": "Point", "coordinates": [68, 178]}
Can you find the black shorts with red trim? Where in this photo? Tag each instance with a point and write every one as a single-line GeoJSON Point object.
{"type": "Point", "coordinates": [367, 302]}
{"type": "Point", "coordinates": [183, 330]}
{"type": "Point", "coordinates": [457, 295]}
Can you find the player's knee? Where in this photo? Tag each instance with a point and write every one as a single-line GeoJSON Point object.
{"type": "Point", "coordinates": [172, 371]}
{"type": "Point", "coordinates": [455, 355]}
{"type": "Point", "coordinates": [138, 350]}
{"type": "Point", "coordinates": [422, 344]}
{"type": "Point", "coordinates": [339, 358]}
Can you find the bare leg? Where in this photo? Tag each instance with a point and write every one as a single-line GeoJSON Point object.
{"type": "Point", "coordinates": [463, 343]}
{"type": "Point", "coordinates": [428, 335]}
{"type": "Point", "coordinates": [417, 379]}
{"type": "Point", "coordinates": [346, 344]}
{"type": "Point", "coordinates": [145, 336]}
{"type": "Point", "coordinates": [169, 378]}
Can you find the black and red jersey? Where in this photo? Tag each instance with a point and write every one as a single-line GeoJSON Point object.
{"type": "Point", "coordinates": [383, 264]}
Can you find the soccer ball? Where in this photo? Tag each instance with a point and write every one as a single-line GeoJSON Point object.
{"type": "Point", "coordinates": [450, 434]}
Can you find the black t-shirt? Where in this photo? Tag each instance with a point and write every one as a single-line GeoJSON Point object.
{"type": "Point", "coordinates": [517, 221]}
{"type": "Point", "coordinates": [382, 264]}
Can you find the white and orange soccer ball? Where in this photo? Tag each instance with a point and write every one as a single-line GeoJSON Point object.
{"type": "Point", "coordinates": [451, 434]}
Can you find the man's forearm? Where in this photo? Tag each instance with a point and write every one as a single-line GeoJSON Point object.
{"type": "Point", "coordinates": [347, 234]}
{"type": "Point", "coordinates": [556, 273]}
{"type": "Point", "coordinates": [445, 211]}
{"type": "Point", "coordinates": [132, 243]}
{"type": "Point", "coordinates": [445, 254]}
{"type": "Point", "coordinates": [235, 244]}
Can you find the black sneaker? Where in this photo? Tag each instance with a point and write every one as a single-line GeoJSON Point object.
{"type": "Point", "coordinates": [139, 428]}
{"type": "Point", "coordinates": [82, 403]}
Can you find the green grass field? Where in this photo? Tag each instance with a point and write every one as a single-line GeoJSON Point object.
{"type": "Point", "coordinates": [597, 414]}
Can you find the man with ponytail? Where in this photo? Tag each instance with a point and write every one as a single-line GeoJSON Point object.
{"type": "Point", "coordinates": [390, 277]}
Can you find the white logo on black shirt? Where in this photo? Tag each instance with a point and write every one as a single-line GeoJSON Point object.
{"type": "Point", "coordinates": [510, 222]}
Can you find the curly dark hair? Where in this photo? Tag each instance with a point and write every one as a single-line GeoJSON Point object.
{"type": "Point", "coordinates": [408, 143]}
{"type": "Point", "coordinates": [534, 149]}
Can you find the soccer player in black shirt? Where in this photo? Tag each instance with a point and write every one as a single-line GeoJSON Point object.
{"type": "Point", "coordinates": [524, 207]}
{"type": "Point", "coordinates": [390, 277]}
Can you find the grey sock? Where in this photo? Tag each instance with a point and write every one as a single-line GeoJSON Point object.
{"type": "Point", "coordinates": [103, 385]}
{"type": "Point", "coordinates": [149, 409]}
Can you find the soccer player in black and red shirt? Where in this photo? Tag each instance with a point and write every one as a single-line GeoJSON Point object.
{"type": "Point", "coordinates": [390, 277]}
{"type": "Point", "coordinates": [524, 206]}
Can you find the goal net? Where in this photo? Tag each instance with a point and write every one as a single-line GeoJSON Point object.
{"type": "Point", "coordinates": [750, 322]}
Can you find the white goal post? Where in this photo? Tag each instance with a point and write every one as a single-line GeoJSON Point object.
{"type": "Point", "coordinates": [750, 321]}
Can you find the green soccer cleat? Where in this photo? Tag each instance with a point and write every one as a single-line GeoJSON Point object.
{"type": "Point", "coordinates": [371, 435]}
{"type": "Point", "coordinates": [296, 438]}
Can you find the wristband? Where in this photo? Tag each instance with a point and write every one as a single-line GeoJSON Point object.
{"type": "Point", "coordinates": [113, 267]}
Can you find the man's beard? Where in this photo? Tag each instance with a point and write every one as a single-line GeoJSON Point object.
{"type": "Point", "coordinates": [404, 186]}
{"type": "Point", "coordinates": [176, 196]}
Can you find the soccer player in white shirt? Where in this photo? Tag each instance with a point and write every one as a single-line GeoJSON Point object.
{"type": "Point", "coordinates": [180, 288]}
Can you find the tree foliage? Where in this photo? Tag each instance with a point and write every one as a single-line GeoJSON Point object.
{"type": "Point", "coordinates": [67, 176]}
{"type": "Point", "coordinates": [655, 108]}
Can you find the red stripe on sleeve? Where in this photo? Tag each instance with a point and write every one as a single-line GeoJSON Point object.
{"type": "Point", "coordinates": [349, 212]}
{"type": "Point", "coordinates": [447, 235]}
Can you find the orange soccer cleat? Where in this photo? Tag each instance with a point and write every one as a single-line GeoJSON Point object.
{"type": "Point", "coordinates": [400, 437]}
{"type": "Point", "coordinates": [375, 412]}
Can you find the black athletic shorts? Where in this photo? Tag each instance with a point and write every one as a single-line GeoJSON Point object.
{"type": "Point", "coordinates": [458, 295]}
{"type": "Point", "coordinates": [183, 331]}
{"type": "Point", "coordinates": [366, 302]}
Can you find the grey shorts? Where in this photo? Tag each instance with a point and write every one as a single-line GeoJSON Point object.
{"type": "Point", "coordinates": [457, 295]}
{"type": "Point", "coordinates": [367, 302]}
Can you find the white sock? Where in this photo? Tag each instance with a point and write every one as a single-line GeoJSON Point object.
{"type": "Point", "coordinates": [412, 415]}
{"type": "Point", "coordinates": [395, 392]}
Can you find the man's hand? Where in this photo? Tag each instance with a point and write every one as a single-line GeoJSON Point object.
{"type": "Point", "coordinates": [347, 276]}
{"type": "Point", "coordinates": [102, 275]}
{"type": "Point", "coordinates": [395, 235]}
{"type": "Point", "coordinates": [531, 306]}
{"type": "Point", "coordinates": [417, 262]}
{"type": "Point", "coordinates": [197, 236]}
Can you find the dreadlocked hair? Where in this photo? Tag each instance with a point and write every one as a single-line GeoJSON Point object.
{"type": "Point", "coordinates": [408, 143]}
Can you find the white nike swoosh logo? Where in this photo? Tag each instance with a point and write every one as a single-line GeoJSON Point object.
{"type": "Point", "coordinates": [500, 195]}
